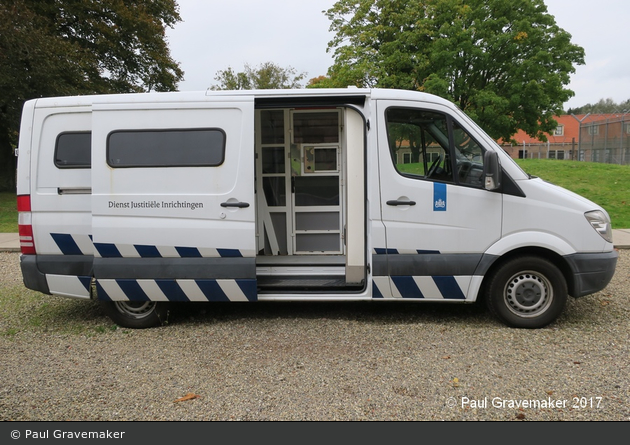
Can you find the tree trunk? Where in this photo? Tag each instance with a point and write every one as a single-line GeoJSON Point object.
{"type": "Point", "coordinates": [8, 166]}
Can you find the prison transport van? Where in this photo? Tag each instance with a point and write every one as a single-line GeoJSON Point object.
{"type": "Point", "coordinates": [142, 200]}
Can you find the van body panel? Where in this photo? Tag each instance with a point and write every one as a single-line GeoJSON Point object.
{"type": "Point", "coordinates": [71, 286]}
{"type": "Point", "coordinates": [285, 195]}
{"type": "Point", "coordinates": [530, 238]}
{"type": "Point", "coordinates": [555, 211]}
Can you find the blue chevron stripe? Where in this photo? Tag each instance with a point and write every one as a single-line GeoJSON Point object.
{"type": "Point", "coordinates": [376, 292]}
{"type": "Point", "coordinates": [107, 250]}
{"type": "Point", "coordinates": [212, 291]}
{"type": "Point", "coordinates": [384, 251]}
{"type": "Point", "coordinates": [188, 252]}
{"type": "Point", "coordinates": [101, 293]}
{"type": "Point", "coordinates": [172, 290]}
{"type": "Point", "coordinates": [66, 244]}
{"type": "Point", "coordinates": [230, 253]}
{"type": "Point", "coordinates": [249, 289]}
{"type": "Point", "coordinates": [85, 281]}
{"type": "Point", "coordinates": [132, 290]}
{"type": "Point", "coordinates": [449, 288]}
{"type": "Point", "coordinates": [148, 251]}
{"type": "Point", "coordinates": [407, 287]}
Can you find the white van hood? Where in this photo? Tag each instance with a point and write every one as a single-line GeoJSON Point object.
{"type": "Point", "coordinates": [554, 213]}
{"type": "Point", "coordinates": [557, 195]}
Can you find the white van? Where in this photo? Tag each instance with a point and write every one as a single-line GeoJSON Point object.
{"type": "Point", "coordinates": [141, 200]}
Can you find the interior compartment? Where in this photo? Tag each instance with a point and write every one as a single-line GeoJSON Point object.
{"type": "Point", "coordinates": [301, 201]}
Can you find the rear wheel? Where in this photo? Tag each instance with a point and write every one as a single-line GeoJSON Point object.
{"type": "Point", "coordinates": [136, 314]}
{"type": "Point", "coordinates": [527, 292]}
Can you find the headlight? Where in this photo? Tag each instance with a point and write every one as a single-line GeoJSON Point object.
{"type": "Point", "coordinates": [601, 223]}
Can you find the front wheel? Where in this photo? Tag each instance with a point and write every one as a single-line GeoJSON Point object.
{"type": "Point", "coordinates": [527, 292]}
{"type": "Point", "coordinates": [136, 314]}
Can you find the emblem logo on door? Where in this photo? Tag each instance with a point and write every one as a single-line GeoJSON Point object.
{"type": "Point", "coordinates": [439, 197]}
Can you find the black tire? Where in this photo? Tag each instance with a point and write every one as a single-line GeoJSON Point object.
{"type": "Point", "coordinates": [136, 314]}
{"type": "Point", "coordinates": [527, 292]}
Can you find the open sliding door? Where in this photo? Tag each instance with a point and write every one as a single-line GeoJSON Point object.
{"type": "Point", "coordinates": [173, 201]}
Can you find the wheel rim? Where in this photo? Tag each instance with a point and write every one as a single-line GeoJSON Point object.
{"type": "Point", "coordinates": [135, 309]}
{"type": "Point", "coordinates": [528, 294]}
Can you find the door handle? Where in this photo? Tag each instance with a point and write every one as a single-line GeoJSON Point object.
{"type": "Point", "coordinates": [240, 205]}
{"type": "Point", "coordinates": [396, 202]}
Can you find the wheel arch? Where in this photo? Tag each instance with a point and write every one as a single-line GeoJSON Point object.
{"type": "Point", "coordinates": [543, 252]}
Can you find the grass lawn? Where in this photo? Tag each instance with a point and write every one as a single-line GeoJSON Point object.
{"type": "Point", "coordinates": [605, 184]}
{"type": "Point", "coordinates": [8, 213]}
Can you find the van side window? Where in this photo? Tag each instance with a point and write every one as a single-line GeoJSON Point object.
{"type": "Point", "coordinates": [429, 145]}
{"type": "Point", "coordinates": [419, 143]}
{"type": "Point", "coordinates": [166, 148]}
{"type": "Point", "coordinates": [73, 150]}
{"type": "Point", "coordinates": [468, 157]}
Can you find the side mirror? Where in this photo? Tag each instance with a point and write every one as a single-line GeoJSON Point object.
{"type": "Point", "coordinates": [491, 171]}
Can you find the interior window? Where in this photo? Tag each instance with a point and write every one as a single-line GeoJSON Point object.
{"type": "Point", "coordinates": [428, 145]}
{"type": "Point", "coordinates": [316, 127]}
{"type": "Point", "coordinates": [272, 128]}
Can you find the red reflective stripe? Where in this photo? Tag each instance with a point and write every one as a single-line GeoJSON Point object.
{"type": "Point", "coordinates": [24, 203]}
{"type": "Point", "coordinates": [25, 231]}
{"type": "Point", "coordinates": [27, 244]}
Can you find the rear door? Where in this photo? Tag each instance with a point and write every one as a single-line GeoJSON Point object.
{"type": "Point", "coordinates": [438, 218]}
{"type": "Point", "coordinates": [60, 198]}
{"type": "Point", "coordinates": [173, 201]}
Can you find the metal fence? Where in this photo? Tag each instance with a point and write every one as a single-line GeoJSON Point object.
{"type": "Point", "coordinates": [568, 151]}
{"type": "Point", "coordinates": [606, 141]}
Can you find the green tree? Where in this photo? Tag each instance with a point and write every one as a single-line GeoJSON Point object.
{"type": "Point", "coordinates": [267, 76]}
{"type": "Point", "coordinates": [604, 106]}
{"type": "Point", "coordinates": [504, 62]}
{"type": "Point", "coordinates": [66, 47]}
{"type": "Point", "coordinates": [321, 82]}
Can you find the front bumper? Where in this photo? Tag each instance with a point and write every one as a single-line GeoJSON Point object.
{"type": "Point", "coordinates": [591, 272]}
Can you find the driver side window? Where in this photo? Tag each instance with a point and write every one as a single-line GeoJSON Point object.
{"type": "Point", "coordinates": [427, 145]}
{"type": "Point", "coordinates": [469, 158]}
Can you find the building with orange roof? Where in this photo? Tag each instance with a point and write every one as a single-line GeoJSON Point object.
{"type": "Point", "coordinates": [590, 137]}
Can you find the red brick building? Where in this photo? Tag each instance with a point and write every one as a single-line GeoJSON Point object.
{"type": "Point", "coordinates": [591, 137]}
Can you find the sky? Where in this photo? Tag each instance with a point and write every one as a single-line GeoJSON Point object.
{"type": "Point", "coordinates": [216, 34]}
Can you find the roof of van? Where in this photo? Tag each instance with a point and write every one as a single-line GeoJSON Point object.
{"type": "Point", "coordinates": [258, 95]}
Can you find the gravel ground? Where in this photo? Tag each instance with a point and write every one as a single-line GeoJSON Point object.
{"type": "Point", "coordinates": [63, 359]}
